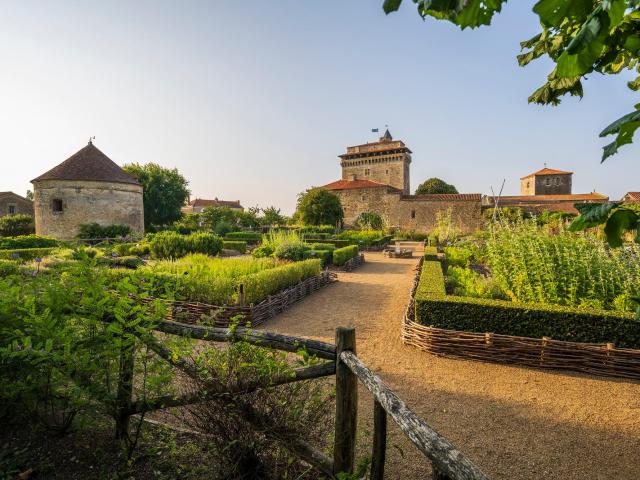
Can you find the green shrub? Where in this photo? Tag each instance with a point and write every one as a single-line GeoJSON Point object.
{"type": "Point", "coordinates": [434, 307]}
{"type": "Point", "coordinates": [249, 237]}
{"type": "Point", "coordinates": [458, 256]}
{"type": "Point", "coordinates": [264, 250]}
{"type": "Point", "coordinates": [237, 245]}
{"type": "Point", "coordinates": [468, 283]}
{"type": "Point", "coordinates": [363, 237]}
{"type": "Point", "coordinates": [27, 241]}
{"type": "Point", "coordinates": [8, 267]}
{"type": "Point", "coordinates": [122, 249]}
{"type": "Point", "coordinates": [130, 261]}
{"type": "Point", "coordinates": [325, 256]}
{"type": "Point", "coordinates": [411, 235]}
{"type": "Point", "coordinates": [207, 243]}
{"type": "Point", "coordinates": [291, 251]}
{"type": "Point", "coordinates": [25, 253]}
{"type": "Point", "coordinates": [259, 285]}
{"type": "Point", "coordinates": [322, 246]}
{"type": "Point", "coordinates": [223, 227]}
{"type": "Point", "coordinates": [169, 245]}
{"type": "Point", "coordinates": [342, 255]}
{"type": "Point", "coordinates": [319, 229]}
{"type": "Point", "coordinates": [94, 230]}
{"type": "Point", "coordinates": [431, 253]}
{"type": "Point", "coordinates": [140, 249]}
{"type": "Point", "coordinates": [13, 225]}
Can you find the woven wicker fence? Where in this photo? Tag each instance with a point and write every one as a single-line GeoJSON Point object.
{"type": "Point", "coordinates": [352, 263]}
{"type": "Point", "coordinates": [596, 359]}
{"type": "Point", "coordinates": [222, 316]}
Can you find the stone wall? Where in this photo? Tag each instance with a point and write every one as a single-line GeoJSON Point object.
{"type": "Point", "coordinates": [86, 202]}
{"type": "Point", "coordinates": [10, 204]}
{"type": "Point", "coordinates": [390, 169]}
{"type": "Point", "coordinates": [409, 212]}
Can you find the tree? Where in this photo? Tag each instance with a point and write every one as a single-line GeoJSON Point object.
{"type": "Point", "coordinates": [14, 225]}
{"type": "Point", "coordinates": [29, 195]}
{"type": "Point", "coordinates": [578, 36]}
{"type": "Point", "coordinates": [435, 185]}
{"type": "Point", "coordinates": [272, 216]}
{"type": "Point", "coordinates": [165, 192]}
{"type": "Point", "coordinates": [212, 216]}
{"type": "Point", "coordinates": [370, 220]}
{"type": "Point", "coordinates": [318, 206]}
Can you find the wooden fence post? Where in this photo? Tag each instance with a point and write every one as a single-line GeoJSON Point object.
{"type": "Point", "coordinates": [242, 299]}
{"type": "Point", "coordinates": [125, 391]}
{"type": "Point", "coordinates": [379, 449]}
{"type": "Point", "coordinates": [346, 405]}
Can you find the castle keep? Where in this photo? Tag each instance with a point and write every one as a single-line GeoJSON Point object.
{"type": "Point", "coordinates": [375, 178]}
{"type": "Point", "coordinates": [86, 188]}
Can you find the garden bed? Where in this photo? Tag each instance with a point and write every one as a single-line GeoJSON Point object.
{"type": "Point", "coordinates": [350, 264]}
{"type": "Point", "coordinates": [594, 358]}
{"type": "Point", "coordinates": [223, 316]}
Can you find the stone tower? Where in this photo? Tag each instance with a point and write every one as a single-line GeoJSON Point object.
{"type": "Point", "coordinates": [86, 188]}
{"type": "Point", "coordinates": [547, 181]}
{"type": "Point", "coordinates": [385, 161]}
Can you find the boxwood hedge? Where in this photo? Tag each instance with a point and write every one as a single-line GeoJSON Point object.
{"type": "Point", "coordinates": [342, 255]}
{"type": "Point", "coordinates": [25, 253]}
{"type": "Point", "coordinates": [434, 307]}
{"type": "Point", "coordinates": [249, 237]}
{"type": "Point", "coordinates": [237, 245]}
{"type": "Point", "coordinates": [431, 253]}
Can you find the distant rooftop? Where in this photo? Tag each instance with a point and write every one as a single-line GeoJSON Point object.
{"type": "Point", "coordinates": [547, 171]}
{"type": "Point", "coordinates": [351, 184]}
{"type": "Point", "coordinates": [203, 202]}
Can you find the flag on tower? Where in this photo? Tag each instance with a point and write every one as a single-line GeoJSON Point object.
{"type": "Point", "coordinates": [374, 130]}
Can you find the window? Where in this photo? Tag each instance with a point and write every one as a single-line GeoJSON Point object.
{"type": "Point", "coordinates": [363, 198]}
{"type": "Point", "coordinates": [413, 214]}
{"type": "Point", "coordinates": [56, 205]}
{"type": "Point", "coordinates": [527, 184]}
{"type": "Point", "coordinates": [556, 180]}
{"type": "Point", "coordinates": [387, 172]}
{"type": "Point", "coordinates": [367, 171]}
{"type": "Point", "coordinates": [548, 181]}
{"type": "Point", "coordinates": [11, 209]}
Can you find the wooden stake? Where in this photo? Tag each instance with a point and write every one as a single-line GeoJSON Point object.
{"type": "Point", "coordinates": [379, 449]}
{"type": "Point", "coordinates": [346, 405]}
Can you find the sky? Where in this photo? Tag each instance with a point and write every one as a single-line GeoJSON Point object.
{"type": "Point", "coordinates": [253, 100]}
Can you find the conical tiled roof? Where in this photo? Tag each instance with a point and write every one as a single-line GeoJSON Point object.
{"type": "Point", "coordinates": [88, 163]}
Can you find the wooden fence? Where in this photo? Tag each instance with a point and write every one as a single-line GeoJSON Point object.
{"type": "Point", "coordinates": [448, 463]}
{"type": "Point", "coordinates": [352, 263]}
{"type": "Point", "coordinates": [222, 316]}
{"type": "Point", "coordinates": [592, 358]}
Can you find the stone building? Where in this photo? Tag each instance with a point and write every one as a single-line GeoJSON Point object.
{"type": "Point", "coordinates": [375, 178]}
{"type": "Point", "coordinates": [88, 187]}
{"type": "Point", "coordinates": [13, 204]}
{"type": "Point", "coordinates": [547, 190]}
{"type": "Point", "coordinates": [631, 197]}
{"type": "Point", "coordinates": [199, 204]}
{"type": "Point", "coordinates": [547, 181]}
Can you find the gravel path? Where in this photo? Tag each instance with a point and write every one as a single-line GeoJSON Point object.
{"type": "Point", "coordinates": [515, 423]}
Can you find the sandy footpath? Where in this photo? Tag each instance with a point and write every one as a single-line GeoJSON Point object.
{"type": "Point", "coordinates": [515, 423]}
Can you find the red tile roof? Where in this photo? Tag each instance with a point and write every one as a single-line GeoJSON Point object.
{"type": "Point", "coordinates": [574, 197]}
{"type": "Point", "coordinates": [351, 184]}
{"type": "Point", "coordinates": [88, 163]}
{"type": "Point", "coordinates": [475, 197]}
{"type": "Point", "coordinates": [632, 197]}
{"type": "Point", "coordinates": [547, 171]}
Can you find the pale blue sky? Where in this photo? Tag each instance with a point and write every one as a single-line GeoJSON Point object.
{"type": "Point", "coordinates": [254, 100]}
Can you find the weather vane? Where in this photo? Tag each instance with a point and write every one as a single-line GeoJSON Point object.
{"type": "Point", "coordinates": [91, 139]}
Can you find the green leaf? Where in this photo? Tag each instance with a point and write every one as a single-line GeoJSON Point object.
{"type": "Point", "coordinates": [625, 127]}
{"type": "Point", "coordinates": [580, 63]}
{"type": "Point", "coordinates": [553, 13]}
{"type": "Point", "coordinates": [391, 6]}
{"type": "Point", "coordinates": [586, 35]}
{"type": "Point", "coordinates": [615, 9]}
{"type": "Point", "coordinates": [592, 215]}
{"type": "Point", "coordinates": [464, 13]}
{"type": "Point", "coordinates": [620, 221]}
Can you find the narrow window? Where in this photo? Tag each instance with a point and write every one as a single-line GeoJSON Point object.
{"type": "Point", "coordinates": [363, 198]}
{"type": "Point", "coordinates": [367, 171]}
{"type": "Point", "coordinates": [413, 214]}
{"type": "Point", "coordinates": [387, 171]}
{"type": "Point", "coordinates": [57, 205]}
{"type": "Point", "coordinates": [12, 209]}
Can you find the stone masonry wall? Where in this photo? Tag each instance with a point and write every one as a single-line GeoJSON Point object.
{"type": "Point", "coordinates": [408, 212]}
{"type": "Point", "coordinates": [546, 185]}
{"type": "Point", "coordinates": [86, 202]}
{"type": "Point", "coordinates": [388, 169]}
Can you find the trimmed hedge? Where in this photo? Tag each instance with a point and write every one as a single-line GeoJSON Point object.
{"type": "Point", "coordinates": [431, 253]}
{"type": "Point", "coordinates": [129, 261]}
{"type": "Point", "coordinates": [237, 245]}
{"type": "Point", "coordinates": [325, 256]}
{"type": "Point", "coordinates": [170, 244]}
{"type": "Point", "coordinates": [335, 243]}
{"type": "Point", "coordinates": [249, 237]}
{"type": "Point", "coordinates": [25, 253]}
{"type": "Point", "coordinates": [342, 255]}
{"type": "Point", "coordinates": [95, 230]}
{"type": "Point", "coordinates": [27, 241]}
{"type": "Point", "coordinates": [433, 307]}
{"type": "Point", "coordinates": [322, 246]}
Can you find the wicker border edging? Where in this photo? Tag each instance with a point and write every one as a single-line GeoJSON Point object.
{"type": "Point", "coordinates": [592, 358]}
{"type": "Point", "coordinates": [222, 316]}
{"type": "Point", "coordinates": [350, 264]}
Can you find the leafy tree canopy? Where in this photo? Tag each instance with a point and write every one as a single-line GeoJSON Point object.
{"type": "Point", "coordinates": [272, 216]}
{"type": "Point", "coordinates": [165, 192]}
{"type": "Point", "coordinates": [435, 185]}
{"type": "Point", "coordinates": [318, 206]}
{"type": "Point", "coordinates": [370, 221]}
{"type": "Point", "coordinates": [579, 36]}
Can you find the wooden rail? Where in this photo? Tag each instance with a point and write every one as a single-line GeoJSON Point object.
{"type": "Point", "coordinates": [448, 463]}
